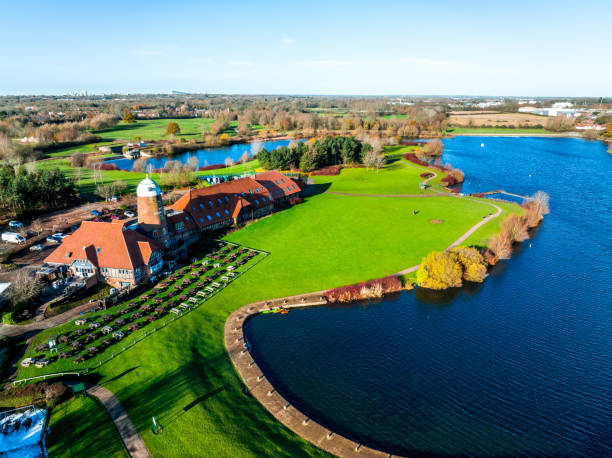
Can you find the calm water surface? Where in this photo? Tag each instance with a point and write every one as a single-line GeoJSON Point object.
{"type": "Point", "coordinates": [207, 156]}
{"type": "Point", "coordinates": [519, 365]}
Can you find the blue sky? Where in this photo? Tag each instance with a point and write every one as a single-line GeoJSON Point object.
{"type": "Point", "coordinates": [335, 47]}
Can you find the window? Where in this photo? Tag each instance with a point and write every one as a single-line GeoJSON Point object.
{"type": "Point", "coordinates": [218, 215]}
{"type": "Point", "coordinates": [250, 191]}
{"type": "Point", "coordinates": [242, 194]}
{"type": "Point", "coordinates": [201, 220]}
{"type": "Point", "coordinates": [201, 205]}
{"type": "Point", "coordinates": [293, 186]}
{"type": "Point", "coordinates": [256, 202]}
{"type": "Point", "coordinates": [192, 208]}
{"type": "Point", "coordinates": [226, 212]}
{"type": "Point", "coordinates": [219, 200]}
{"type": "Point", "coordinates": [209, 217]}
{"type": "Point", "coordinates": [155, 234]}
{"type": "Point", "coordinates": [210, 202]}
{"type": "Point", "coordinates": [283, 180]}
{"type": "Point", "coordinates": [226, 199]}
{"type": "Point", "coordinates": [256, 189]}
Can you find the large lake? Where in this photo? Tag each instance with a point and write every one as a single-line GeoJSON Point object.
{"type": "Point", "coordinates": [207, 156]}
{"type": "Point", "coordinates": [521, 365]}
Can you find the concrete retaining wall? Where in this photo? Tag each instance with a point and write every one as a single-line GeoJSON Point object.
{"type": "Point", "coordinates": [259, 386]}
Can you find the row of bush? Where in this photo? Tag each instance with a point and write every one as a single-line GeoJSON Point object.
{"type": "Point", "coordinates": [365, 290]}
{"type": "Point", "coordinates": [516, 228]}
{"type": "Point", "coordinates": [453, 176]}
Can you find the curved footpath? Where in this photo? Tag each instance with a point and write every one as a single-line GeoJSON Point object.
{"type": "Point", "coordinates": [126, 429]}
{"type": "Point", "coordinates": [14, 330]}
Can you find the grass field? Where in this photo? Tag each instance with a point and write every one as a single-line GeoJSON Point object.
{"type": "Point", "coordinates": [155, 129]}
{"type": "Point", "coordinates": [182, 375]}
{"type": "Point", "coordinates": [90, 429]}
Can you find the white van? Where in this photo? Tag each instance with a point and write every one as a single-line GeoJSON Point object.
{"type": "Point", "coordinates": [12, 237]}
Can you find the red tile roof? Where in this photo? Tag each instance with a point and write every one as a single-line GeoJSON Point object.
{"type": "Point", "coordinates": [112, 245]}
{"type": "Point", "coordinates": [224, 201]}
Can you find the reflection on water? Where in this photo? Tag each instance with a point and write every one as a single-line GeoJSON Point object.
{"type": "Point", "coordinates": [520, 365]}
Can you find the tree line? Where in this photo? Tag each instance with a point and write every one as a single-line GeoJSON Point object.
{"type": "Point", "coordinates": [24, 190]}
{"type": "Point", "coordinates": [314, 154]}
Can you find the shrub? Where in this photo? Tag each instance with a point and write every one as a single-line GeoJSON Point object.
{"type": "Point", "coordinates": [108, 166]}
{"type": "Point", "coordinates": [516, 228]}
{"type": "Point", "coordinates": [211, 167]}
{"type": "Point", "coordinates": [440, 270]}
{"type": "Point", "coordinates": [474, 264]}
{"type": "Point", "coordinates": [330, 170]}
{"type": "Point", "coordinates": [364, 290]}
{"type": "Point", "coordinates": [15, 396]}
{"type": "Point", "coordinates": [501, 245]}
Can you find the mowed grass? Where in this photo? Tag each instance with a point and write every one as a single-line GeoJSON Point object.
{"type": "Point", "coordinates": [89, 427]}
{"type": "Point", "coordinates": [182, 374]}
{"type": "Point", "coordinates": [155, 129]}
{"type": "Point", "coordinates": [85, 183]}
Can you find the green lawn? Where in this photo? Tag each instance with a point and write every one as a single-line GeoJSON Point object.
{"type": "Point", "coordinates": [85, 182]}
{"type": "Point", "coordinates": [90, 429]}
{"type": "Point", "coordinates": [155, 129]}
{"type": "Point", "coordinates": [182, 375]}
{"type": "Point", "coordinates": [96, 292]}
{"type": "Point", "coordinates": [496, 130]}
{"type": "Point", "coordinates": [89, 148]}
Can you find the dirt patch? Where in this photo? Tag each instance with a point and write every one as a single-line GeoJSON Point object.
{"type": "Point", "coordinates": [436, 221]}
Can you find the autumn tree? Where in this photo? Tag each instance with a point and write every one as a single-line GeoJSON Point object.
{"type": "Point", "coordinates": [440, 270]}
{"type": "Point", "coordinates": [434, 148]}
{"type": "Point", "coordinates": [127, 116]}
{"type": "Point", "coordinates": [173, 128]}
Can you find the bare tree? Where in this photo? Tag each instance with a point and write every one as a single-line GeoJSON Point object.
{"type": "Point", "coordinates": [193, 164]}
{"type": "Point", "coordinates": [37, 226]}
{"type": "Point", "coordinates": [244, 158]}
{"type": "Point", "coordinates": [24, 289]}
{"type": "Point", "coordinates": [229, 162]}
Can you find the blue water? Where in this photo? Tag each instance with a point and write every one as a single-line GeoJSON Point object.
{"type": "Point", "coordinates": [519, 365]}
{"type": "Point", "coordinates": [207, 156]}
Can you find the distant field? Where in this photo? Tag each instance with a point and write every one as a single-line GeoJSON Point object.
{"type": "Point", "coordinates": [155, 129]}
{"type": "Point", "coordinates": [479, 119]}
{"type": "Point", "coordinates": [496, 130]}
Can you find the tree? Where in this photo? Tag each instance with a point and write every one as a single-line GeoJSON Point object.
{"type": "Point", "coordinates": [380, 162]}
{"type": "Point", "coordinates": [244, 158]}
{"type": "Point", "coordinates": [23, 290]}
{"type": "Point", "coordinates": [440, 270]}
{"type": "Point", "coordinates": [193, 163]}
{"type": "Point", "coordinates": [229, 161]}
{"type": "Point", "coordinates": [369, 160]}
{"type": "Point", "coordinates": [173, 128]}
{"type": "Point", "coordinates": [559, 124]}
{"type": "Point", "coordinates": [106, 191]}
{"type": "Point", "coordinates": [127, 116]}
{"type": "Point", "coordinates": [308, 162]}
{"type": "Point", "coordinates": [434, 148]}
{"type": "Point", "coordinates": [37, 226]}
{"type": "Point", "coordinates": [77, 159]}
{"type": "Point", "coordinates": [474, 264]}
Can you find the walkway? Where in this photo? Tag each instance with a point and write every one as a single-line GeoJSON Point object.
{"type": "Point", "coordinates": [14, 330]}
{"type": "Point", "coordinates": [130, 437]}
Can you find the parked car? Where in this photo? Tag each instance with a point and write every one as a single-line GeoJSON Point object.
{"type": "Point", "coordinates": [12, 237]}
{"type": "Point", "coordinates": [59, 236]}
{"type": "Point", "coordinates": [114, 199]}
{"type": "Point", "coordinates": [97, 220]}
{"type": "Point", "coordinates": [105, 211]}
{"type": "Point", "coordinates": [15, 224]}
{"type": "Point", "coordinates": [115, 217]}
{"type": "Point", "coordinates": [52, 239]}
{"type": "Point", "coordinates": [95, 212]}
{"type": "Point", "coordinates": [37, 247]}
{"type": "Point", "coordinates": [129, 214]}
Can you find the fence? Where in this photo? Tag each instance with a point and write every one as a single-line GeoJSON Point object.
{"type": "Point", "coordinates": [150, 330]}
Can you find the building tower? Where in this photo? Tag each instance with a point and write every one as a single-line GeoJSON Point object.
{"type": "Point", "coordinates": [151, 215]}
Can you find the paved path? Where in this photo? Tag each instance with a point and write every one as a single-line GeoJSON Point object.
{"type": "Point", "coordinates": [130, 437]}
{"type": "Point", "coordinates": [14, 330]}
